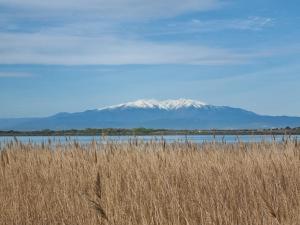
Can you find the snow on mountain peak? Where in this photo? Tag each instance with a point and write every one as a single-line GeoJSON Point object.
{"type": "Point", "coordinates": [167, 104]}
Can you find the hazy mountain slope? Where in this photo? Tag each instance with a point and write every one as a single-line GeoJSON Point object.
{"type": "Point", "coordinates": [175, 114]}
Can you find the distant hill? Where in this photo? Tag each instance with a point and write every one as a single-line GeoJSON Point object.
{"type": "Point", "coordinates": [171, 114]}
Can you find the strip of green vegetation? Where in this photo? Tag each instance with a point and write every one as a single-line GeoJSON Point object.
{"type": "Point", "coordinates": [144, 131]}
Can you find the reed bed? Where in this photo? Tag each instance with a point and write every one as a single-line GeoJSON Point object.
{"type": "Point", "coordinates": [141, 183]}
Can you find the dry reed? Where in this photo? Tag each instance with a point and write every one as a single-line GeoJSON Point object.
{"type": "Point", "coordinates": [150, 183]}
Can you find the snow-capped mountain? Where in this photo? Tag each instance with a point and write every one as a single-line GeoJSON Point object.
{"type": "Point", "coordinates": [170, 114]}
{"type": "Point", "coordinates": [152, 104]}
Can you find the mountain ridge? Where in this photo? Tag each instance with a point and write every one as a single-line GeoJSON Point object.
{"type": "Point", "coordinates": [169, 114]}
{"type": "Point", "coordinates": [166, 104]}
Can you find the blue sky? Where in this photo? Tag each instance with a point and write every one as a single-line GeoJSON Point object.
{"type": "Point", "coordinates": [73, 55]}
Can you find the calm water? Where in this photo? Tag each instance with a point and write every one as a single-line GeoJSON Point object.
{"type": "Point", "coordinates": [168, 138]}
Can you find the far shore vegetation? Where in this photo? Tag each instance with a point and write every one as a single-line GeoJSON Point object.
{"type": "Point", "coordinates": [145, 131]}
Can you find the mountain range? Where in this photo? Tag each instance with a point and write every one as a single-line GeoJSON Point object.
{"type": "Point", "coordinates": [169, 114]}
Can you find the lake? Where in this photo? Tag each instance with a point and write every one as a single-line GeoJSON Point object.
{"type": "Point", "coordinates": [167, 138]}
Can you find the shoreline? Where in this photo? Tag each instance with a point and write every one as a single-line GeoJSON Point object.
{"type": "Point", "coordinates": [151, 132]}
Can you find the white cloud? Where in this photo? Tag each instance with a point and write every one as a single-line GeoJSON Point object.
{"type": "Point", "coordinates": [201, 26]}
{"type": "Point", "coordinates": [251, 23]}
{"type": "Point", "coordinates": [14, 74]}
{"type": "Point", "coordinates": [113, 41]}
{"type": "Point", "coordinates": [113, 8]}
{"type": "Point", "coordinates": [80, 50]}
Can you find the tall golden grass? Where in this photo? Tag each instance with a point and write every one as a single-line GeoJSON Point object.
{"type": "Point", "coordinates": [150, 183]}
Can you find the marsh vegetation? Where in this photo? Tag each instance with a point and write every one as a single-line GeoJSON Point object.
{"type": "Point", "coordinates": [141, 183]}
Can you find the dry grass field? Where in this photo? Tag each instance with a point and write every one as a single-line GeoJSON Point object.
{"type": "Point", "coordinates": [150, 183]}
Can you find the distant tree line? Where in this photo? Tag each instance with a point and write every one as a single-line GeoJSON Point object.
{"type": "Point", "coordinates": [146, 131]}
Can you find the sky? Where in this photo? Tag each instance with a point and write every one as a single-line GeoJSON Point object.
{"type": "Point", "coordinates": [74, 55]}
